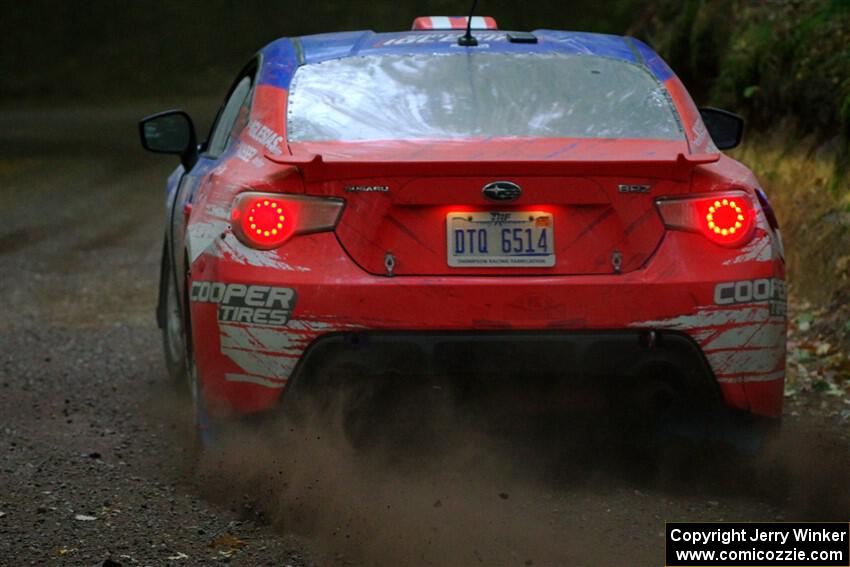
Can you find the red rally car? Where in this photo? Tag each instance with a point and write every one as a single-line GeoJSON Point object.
{"type": "Point", "coordinates": [441, 206]}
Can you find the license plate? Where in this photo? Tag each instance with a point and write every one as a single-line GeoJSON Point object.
{"type": "Point", "coordinates": [515, 239]}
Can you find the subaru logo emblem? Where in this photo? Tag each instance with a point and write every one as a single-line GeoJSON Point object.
{"type": "Point", "coordinates": [502, 191]}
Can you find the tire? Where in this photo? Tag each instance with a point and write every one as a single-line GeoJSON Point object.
{"type": "Point", "coordinates": [180, 358]}
{"type": "Point", "coordinates": [177, 334]}
{"type": "Point", "coordinates": [207, 430]}
{"type": "Point", "coordinates": [173, 331]}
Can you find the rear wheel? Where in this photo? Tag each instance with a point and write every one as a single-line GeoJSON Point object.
{"type": "Point", "coordinates": [173, 332]}
{"type": "Point", "coordinates": [206, 429]}
{"type": "Point", "coordinates": [180, 358]}
{"type": "Point", "coordinates": [681, 412]}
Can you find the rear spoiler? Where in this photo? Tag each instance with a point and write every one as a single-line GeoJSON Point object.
{"type": "Point", "coordinates": [315, 168]}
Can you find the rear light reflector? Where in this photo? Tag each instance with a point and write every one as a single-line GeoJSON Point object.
{"type": "Point", "coordinates": [267, 220]}
{"type": "Point", "coordinates": [727, 218]}
{"type": "Point", "coordinates": [770, 216]}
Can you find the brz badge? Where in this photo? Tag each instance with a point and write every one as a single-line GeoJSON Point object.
{"type": "Point", "coordinates": [633, 188]}
{"type": "Point", "coordinates": [502, 191]}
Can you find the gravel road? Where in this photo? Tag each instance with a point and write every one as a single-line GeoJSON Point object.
{"type": "Point", "coordinates": [98, 462]}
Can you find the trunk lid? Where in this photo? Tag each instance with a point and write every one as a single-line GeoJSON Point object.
{"type": "Point", "coordinates": [414, 208]}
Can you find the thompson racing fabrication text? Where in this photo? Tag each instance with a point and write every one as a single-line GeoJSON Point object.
{"type": "Point", "coordinates": [253, 304]}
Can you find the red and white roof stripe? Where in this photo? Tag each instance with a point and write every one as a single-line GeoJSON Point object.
{"type": "Point", "coordinates": [453, 23]}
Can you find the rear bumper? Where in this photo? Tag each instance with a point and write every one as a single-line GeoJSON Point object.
{"type": "Point", "coordinates": [721, 310]}
{"type": "Point", "coordinates": [579, 371]}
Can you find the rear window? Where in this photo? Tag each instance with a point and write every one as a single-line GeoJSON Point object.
{"type": "Point", "coordinates": [477, 95]}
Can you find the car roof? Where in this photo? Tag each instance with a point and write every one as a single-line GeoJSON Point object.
{"type": "Point", "coordinates": [283, 56]}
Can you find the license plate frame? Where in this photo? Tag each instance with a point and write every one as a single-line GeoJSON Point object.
{"type": "Point", "coordinates": [531, 235]}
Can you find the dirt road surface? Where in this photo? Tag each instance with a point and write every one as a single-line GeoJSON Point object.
{"type": "Point", "coordinates": [98, 460]}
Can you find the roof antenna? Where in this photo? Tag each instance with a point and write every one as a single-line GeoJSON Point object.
{"type": "Point", "coordinates": [467, 40]}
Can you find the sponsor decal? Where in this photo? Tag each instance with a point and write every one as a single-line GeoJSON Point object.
{"type": "Point", "coordinates": [417, 38]}
{"type": "Point", "coordinates": [251, 304]}
{"type": "Point", "coordinates": [367, 189]}
{"type": "Point", "coordinates": [771, 290]}
{"type": "Point", "coordinates": [246, 152]}
{"type": "Point", "coordinates": [741, 343]}
{"type": "Point", "coordinates": [265, 136]}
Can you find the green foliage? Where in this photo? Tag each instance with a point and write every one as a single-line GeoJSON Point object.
{"type": "Point", "coordinates": [108, 48]}
{"type": "Point", "coordinates": [784, 61]}
{"type": "Point", "coordinates": [768, 60]}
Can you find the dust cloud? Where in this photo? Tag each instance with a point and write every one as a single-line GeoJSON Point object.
{"type": "Point", "coordinates": [457, 490]}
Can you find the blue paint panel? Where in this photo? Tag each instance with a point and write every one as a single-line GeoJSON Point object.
{"type": "Point", "coordinates": [279, 63]}
{"type": "Point", "coordinates": [602, 45]}
{"type": "Point", "coordinates": [656, 64]}
{"type": "Point", "coordinates": [326, 46]}
{"type": "Point", "coordinates": [281, 60]}
{"type": "Point", "coordinates": [172, 183]}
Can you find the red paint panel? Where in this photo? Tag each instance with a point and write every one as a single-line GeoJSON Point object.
{"type": "Point", "coordinates": [765, 398]}
{"type": "Point", "coordinates": [668, 281]}
{"type": "Point", "coordinates": [336, 295]}
{"type": "Point", "coordinates": [591, 221]}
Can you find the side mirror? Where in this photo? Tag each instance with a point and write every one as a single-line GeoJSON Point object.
{"type": "Point", "coordinates": [725, 128]}
{"type": "Point", "coordinates": [170, 132]}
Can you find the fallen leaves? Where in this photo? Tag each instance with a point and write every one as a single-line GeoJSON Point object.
{"type": "Point", "coordinates": [804, 321]}
{"type": "Point", "coordinates": [822, 349]}
{"type": "Point", "coordinates": [815, 363]}
{"type": "Point", "coordinates": [227, 544]}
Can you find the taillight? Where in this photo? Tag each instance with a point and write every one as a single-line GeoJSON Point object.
{"type": "Point", "coordinates": [727, 218]}
{"type": "Point", "coordinates": [267, 220]}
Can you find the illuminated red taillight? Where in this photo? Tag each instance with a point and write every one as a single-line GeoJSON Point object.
{"type": "Point", "coordinates": [726, 218]}
{"type": "Point", "coordinates": [267, 220]}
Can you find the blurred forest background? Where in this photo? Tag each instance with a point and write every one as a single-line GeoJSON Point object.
{"type": "Point", "coordinates": [783, 64]}
{"type": "Point", "coordinates": [768, 59]}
